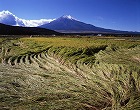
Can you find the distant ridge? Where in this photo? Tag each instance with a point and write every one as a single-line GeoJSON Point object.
{"type": "Point", "coordinates": [16, 30]}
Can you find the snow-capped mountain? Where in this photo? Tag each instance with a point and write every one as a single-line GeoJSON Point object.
{"type": "Point", "coordinates": [67, 23]}
{"type": "Point", "coordinates": [8, 18]}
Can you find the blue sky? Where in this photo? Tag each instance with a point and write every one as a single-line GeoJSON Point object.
{"type": "Point", "coordinates": [113, 14]}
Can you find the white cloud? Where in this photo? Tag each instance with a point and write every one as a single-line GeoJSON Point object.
{"type": "Point", "coordinates": [7, 17]}
{"type": "Point", "coordinates": [35, 23]}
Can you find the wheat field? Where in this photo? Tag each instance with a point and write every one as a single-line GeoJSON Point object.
{"type": "Point", "coordinates": [70, 73]}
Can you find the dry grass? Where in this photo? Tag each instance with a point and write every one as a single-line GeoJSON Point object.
{"type": "Point", "coordinates": [70, 74]}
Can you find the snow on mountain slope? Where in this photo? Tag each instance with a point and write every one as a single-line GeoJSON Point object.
{"type": "Point", "coordinates": [67, 17]}
{"type": "Point", "coordinates": [8, 18]}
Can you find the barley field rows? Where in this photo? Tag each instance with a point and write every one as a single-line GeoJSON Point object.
{"type": "Point", "coordinates": [69, 74]}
